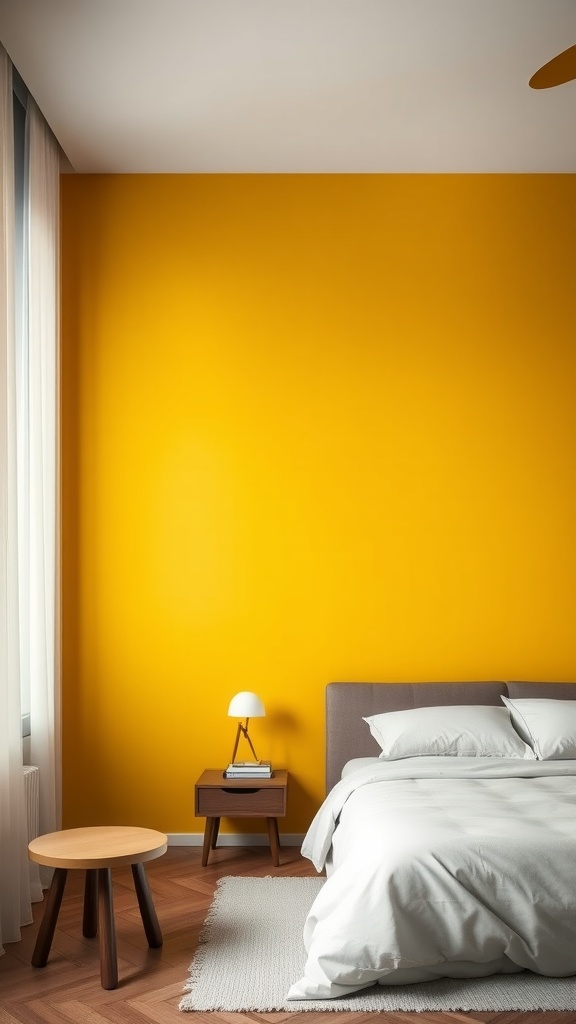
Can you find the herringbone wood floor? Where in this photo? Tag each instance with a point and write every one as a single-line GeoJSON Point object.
{"type": "Point", "coordinates": [151, 980]}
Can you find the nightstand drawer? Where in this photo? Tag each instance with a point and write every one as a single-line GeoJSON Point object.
{"type": "Point", "coordinates": [249, 801]}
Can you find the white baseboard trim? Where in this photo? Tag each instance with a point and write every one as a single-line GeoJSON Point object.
{"type": "Point", "coordinates": [233, 839]}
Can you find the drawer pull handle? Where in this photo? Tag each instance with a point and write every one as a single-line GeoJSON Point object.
{"type": "Point", "coordinates": [235, 790]}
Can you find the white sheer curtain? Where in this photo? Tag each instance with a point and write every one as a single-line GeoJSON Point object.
{"type": "Point", "coordinates": [15, 907]}
{"type": "Point", "coordinates": [39, 621]}
{"type": "Point", "coordinates": [29, 622]}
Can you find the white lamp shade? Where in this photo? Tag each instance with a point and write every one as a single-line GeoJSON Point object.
{"type": "Point", "coordinates": [246, 705]}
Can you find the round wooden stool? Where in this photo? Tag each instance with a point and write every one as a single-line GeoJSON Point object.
{"type": "Point", "coordinates": [97, 850]}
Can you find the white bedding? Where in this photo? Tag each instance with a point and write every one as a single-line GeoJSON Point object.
{"type": "Point", "coordinates": [442, 867]}
{"type": "Point", "coordinates": [358, 762]}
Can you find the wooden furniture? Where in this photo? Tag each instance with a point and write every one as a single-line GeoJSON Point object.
{"type": "Point", "coordinates": [216, 797]}
{"type": "Point", "coordinates": [97, 850]}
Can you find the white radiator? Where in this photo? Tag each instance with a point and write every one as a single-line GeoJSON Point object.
{"type": "Point", "coordinates": [32, 793]}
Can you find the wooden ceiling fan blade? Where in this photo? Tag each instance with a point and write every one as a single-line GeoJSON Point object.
{"type": "Point", "coordinates": [557, 71]}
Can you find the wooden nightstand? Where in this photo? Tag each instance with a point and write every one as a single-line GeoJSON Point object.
{"type": "Point", "coordinates": [216, 797]}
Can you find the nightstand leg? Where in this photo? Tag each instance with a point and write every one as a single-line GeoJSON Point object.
{"type": "Point", "coordinates": [208, 833]}
{"type": "Point", "coordinates": [215, 833]}
{"type": "Point", "coordinates": [272, 824]}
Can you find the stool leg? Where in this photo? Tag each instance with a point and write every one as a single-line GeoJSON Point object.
{"type": "Point", "coordinates": [90, 919]}
{"type": "Point", "coordinates": [50, 916]}
{"type": "Point", "coordinates": [108, 959]}
{"type": "Point", "coordinates": [147, 909]}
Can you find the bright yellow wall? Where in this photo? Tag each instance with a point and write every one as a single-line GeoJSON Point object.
{"type": "Point", "coordinates": [314, 428]}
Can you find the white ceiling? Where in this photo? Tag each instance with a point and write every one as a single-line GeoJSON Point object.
{"type": "Point", "coordinates": [224, 86]}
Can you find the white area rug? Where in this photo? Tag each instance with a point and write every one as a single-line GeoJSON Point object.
{"type": "Point", "coordinates": [251, 951]}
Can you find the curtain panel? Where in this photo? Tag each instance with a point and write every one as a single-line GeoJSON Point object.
{"type": "Point", "coordinates": [29, 601]}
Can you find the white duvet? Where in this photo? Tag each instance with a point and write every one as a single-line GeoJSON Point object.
{"type": "Point", "coordinates": [442, 867]}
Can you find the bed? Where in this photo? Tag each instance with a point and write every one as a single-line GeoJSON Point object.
{"type": "Point", "coordinates": [448, 835]}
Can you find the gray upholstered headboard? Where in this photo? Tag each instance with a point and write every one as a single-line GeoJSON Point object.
{"type": "Point", "coordinates": [347, 736]}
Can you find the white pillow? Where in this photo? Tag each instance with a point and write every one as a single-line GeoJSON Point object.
{"type": "Point", "coordinates": [469, 730]}
{"type": "Point", "coordinates": [548, 725]}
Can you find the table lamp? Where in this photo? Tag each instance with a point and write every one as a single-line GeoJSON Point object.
{"type": "Point", "coordinates": [245, 705]}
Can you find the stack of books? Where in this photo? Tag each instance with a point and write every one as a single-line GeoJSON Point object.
{"type": "Point", "coordinates": [248, 770]}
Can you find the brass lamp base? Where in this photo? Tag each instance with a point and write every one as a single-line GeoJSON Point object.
{"type": "Point", "coordinates": [242, 729]}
